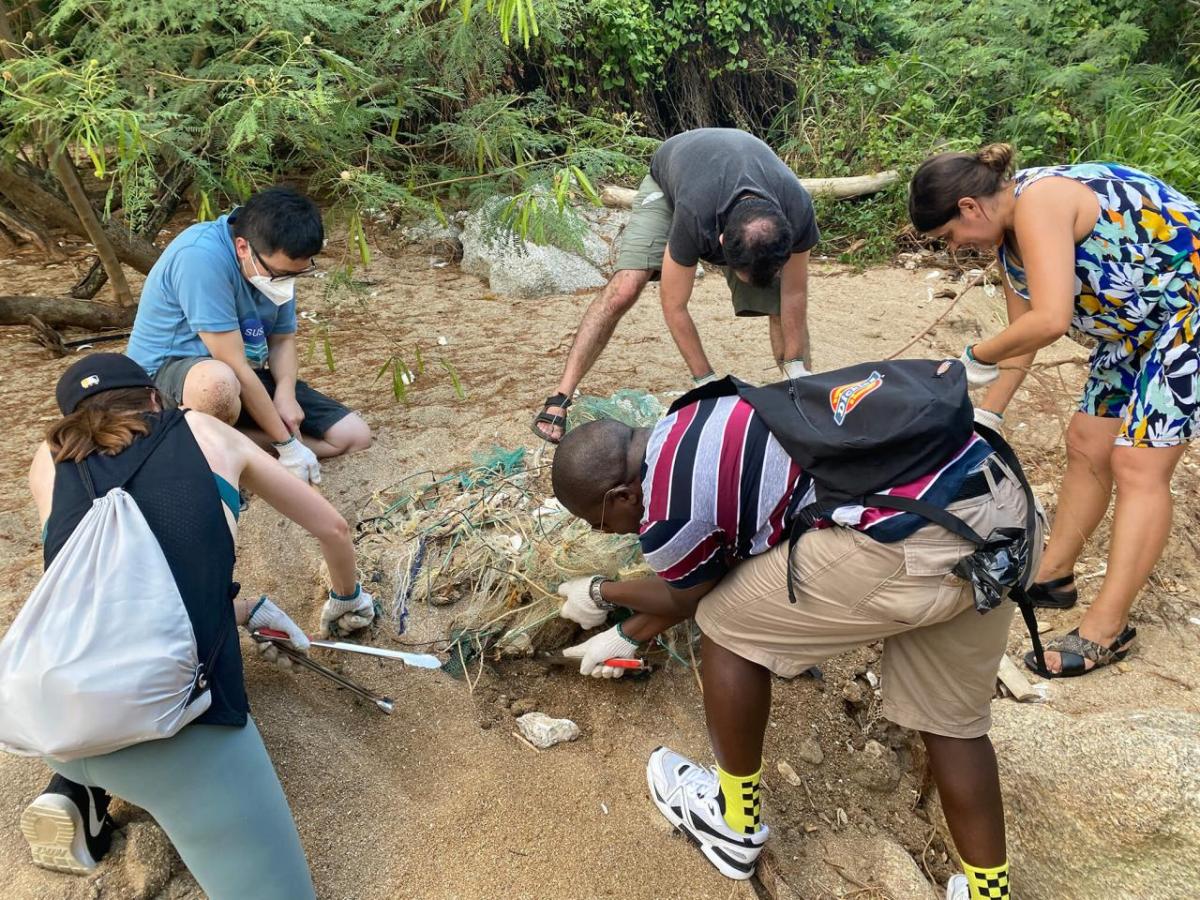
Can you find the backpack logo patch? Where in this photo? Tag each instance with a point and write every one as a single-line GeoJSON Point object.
{"type": "Point", "coordinates": [845, 397]}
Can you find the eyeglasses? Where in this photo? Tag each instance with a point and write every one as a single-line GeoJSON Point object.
{"type": "Point", "coordinates": [281, 276]}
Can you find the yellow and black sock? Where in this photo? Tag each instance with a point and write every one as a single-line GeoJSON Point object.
{"type": "Point", "coordinates": [739, 800]}
{"type": "Point", "coordinates": [987, 884]}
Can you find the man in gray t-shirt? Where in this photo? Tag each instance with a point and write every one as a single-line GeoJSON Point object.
{"type": "Point", "coordinates": [722, 196]}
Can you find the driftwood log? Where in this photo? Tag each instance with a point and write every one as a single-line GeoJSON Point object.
{"type": "Point", "coordinates": [63, 312]}
{"type": "Point", "coordinates": [837, 188]}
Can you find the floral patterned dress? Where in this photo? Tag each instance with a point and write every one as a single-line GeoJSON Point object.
{"type": "Point", "coordinates": [1137, 291]}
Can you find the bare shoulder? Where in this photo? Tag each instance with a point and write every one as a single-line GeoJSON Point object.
{"type": "Point", "coordinates": [223, 447]}
{"type": "Point", "coordinates": [1056, 199]}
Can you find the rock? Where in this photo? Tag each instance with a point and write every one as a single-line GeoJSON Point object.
{"type": "Point", "coordinates": [147, 860]}
{"type": "Point", "coordinates": [788, 773]}
{"type": "Point", "coordinates": [544, 732]}
{"type": "Point", "coordinates": [1099, 798]}
{"type": "Point", "coordinates": [877, 768]}
{"type": "Point", "coordinates": [520, 268]}
{"type": "Point", "coordinates": [522, 706]}
{"type": "Point", "coordinates": [852, 693]}
{"type": "Point", "coordinates": [515, 645]}
{"type": "Point", "coordinates": [810, 751]}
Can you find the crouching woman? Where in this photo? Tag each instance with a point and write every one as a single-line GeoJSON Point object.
{"type": "Point", "coordinates": [210, 786]}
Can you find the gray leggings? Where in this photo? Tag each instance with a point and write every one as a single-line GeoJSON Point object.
{"type": "Point", "coordinates": [214, 792]}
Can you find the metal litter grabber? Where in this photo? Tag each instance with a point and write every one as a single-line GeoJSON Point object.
{"type": "Point", "coordinates": [419, 660]}
{"type": "Point", "coordinates": [280, 638]}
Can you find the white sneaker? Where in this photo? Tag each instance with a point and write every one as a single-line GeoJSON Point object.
{"type": "Point", "coordinates": [686, 794]}
{"type": "Point", "coordinates": [958, 888]}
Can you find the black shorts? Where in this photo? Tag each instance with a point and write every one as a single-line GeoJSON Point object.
{"type": "Point", "coordinates": [320, 412]}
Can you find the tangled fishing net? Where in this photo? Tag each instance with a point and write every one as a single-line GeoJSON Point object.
{"type": "Point", "coordinates": [492, 541]}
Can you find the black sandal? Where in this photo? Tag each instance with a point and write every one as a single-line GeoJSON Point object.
{"type": "Point", "coordinates": [1075, 651]}
{"type": "Point", "coordinates": [562, 401]}
{"type": "Point", "coordinates": [1057, 594]}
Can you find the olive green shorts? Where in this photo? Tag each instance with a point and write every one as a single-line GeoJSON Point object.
{"type": "Point", "coordinates": [644, 244]}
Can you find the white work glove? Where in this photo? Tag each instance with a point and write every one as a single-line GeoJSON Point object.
{"type": "Point", "coordinates": [992, 420]}
{"type": "Point", "coordinates": [299, 460]}
{"type": "Point", "coordinates": [705, 379]}
{"type": "Point", "coordinates": [978, 373]}
{"type": "Point", "coordinates": [595, 650]}
{"type": "Point", "coordinates": [579, 606]}
{"type": "Point", "coordinates": [342, 615]}
{"type": "Point", "coordinates": [795, 368]}
{"type": "Point", "coordinates": [266, 614]}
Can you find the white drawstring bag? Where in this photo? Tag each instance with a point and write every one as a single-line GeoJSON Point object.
{"type": "Point", "coordinates": [102, 655]}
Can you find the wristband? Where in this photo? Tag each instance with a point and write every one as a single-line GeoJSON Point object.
{"type": "Point", "coordinates": [288, 441]}
{"type": "Point", "coordinates": [637, 645]}
{"type": "Point", "coordinates": [970, 351]}
{"type": "Point", "coordinates": [597, 597]}
{"type": "Point", "coordinates": [696, 379]}
{"type": "Point", "coordinates": [256, 607]}
{"type": "Point", "coordinates": [334, 595]}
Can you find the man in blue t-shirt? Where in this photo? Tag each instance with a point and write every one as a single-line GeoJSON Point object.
{"type": "Point", "coordinates": [216, 329]}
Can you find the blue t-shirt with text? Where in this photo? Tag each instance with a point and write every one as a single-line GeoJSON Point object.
{"type": "Point", "coordinates": [196, 286]}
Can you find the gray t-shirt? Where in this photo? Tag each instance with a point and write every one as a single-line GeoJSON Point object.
{"type": "Point", "coordinates": [702, 173]}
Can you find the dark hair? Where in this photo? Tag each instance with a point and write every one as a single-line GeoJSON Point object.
{"type": "Point", "coordinates": [943, 180]}
{"type": "Point", "coordinates": [281, 218]}
{"type": "Point", "coordinates": [758, 240]}
{"type": "Point", "coordinates": [589, 462]}
{"type": "Point", "coordinates": [104, 423]}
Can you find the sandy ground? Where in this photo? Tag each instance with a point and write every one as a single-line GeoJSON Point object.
{"type": "Point", "coordinates": [440, 800]}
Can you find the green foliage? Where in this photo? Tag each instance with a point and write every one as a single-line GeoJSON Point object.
{"type": "Point", "coordinates": [424, 105]}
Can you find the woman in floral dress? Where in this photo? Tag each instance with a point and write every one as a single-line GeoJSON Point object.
{"type": "Point", "coordinates": [1114, 253]}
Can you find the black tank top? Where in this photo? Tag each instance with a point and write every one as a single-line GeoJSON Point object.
{"type": "Point", "coordinates": [174, 488]}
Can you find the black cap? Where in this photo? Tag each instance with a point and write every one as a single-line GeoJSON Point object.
{"type": "Point", "coordinates": [95, 374]}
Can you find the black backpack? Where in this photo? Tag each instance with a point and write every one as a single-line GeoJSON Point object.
{"type": "Point", "coordinates": [868, 427]}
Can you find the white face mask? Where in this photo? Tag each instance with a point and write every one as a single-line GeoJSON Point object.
{"type": "Point", "coordinates": [278, 292]}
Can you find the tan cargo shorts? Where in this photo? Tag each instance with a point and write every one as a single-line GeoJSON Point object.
{"type": "Point", "coordinates": [940, 656]}
{"type": "Point", "coordinates": [644, 243]}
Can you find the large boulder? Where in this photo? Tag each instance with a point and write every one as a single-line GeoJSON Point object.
{"type": "Point", "coordinates": [518, 268]}
{"type": "Point", "coordinates": [1100, 805]}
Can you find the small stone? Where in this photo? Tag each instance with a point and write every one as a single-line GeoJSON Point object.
{"type": "Point", "coordinates": [521, 707]}
{"type": "Point", "coordinates": [544, 732]}
{"type": "Point", "coordinates": [874, 748]}
{"type": "Point", "coordinates": [872, 679]}
{"type": "Point", "coordinates": [1124, 667]}
{"type": "Point", "coordinates": [852, 693]}
{"type": "Point", "coordinates": [788, 773]}
{"type": "Point", "coordinates": [842, 819]}
{"type": "Point", "coordinates": [810, 751]}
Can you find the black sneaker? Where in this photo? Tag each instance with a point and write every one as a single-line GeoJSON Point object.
{"type": "Point", "coordinates": [68, 827]}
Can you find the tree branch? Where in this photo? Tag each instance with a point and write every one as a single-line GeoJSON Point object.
{"type": "Point", "coordinates": [68, 177]}
{"type": "Point", "coordinates": [27, 195]}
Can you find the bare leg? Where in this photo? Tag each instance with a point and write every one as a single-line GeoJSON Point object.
{"type": "Point", "coordinates": [968, 784]}
{"type": "Point", "coordinates": [1084, 494]}
{"type": "Point", "coordinates": [1141, 523]}
{"type": "Point", "coordinates": [598, 324]}
{"type": "Point", "coordinates": [737, 702]}
{"type": "Point", "coordinates": [212, 387]}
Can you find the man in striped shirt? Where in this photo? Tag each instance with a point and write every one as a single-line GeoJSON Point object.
{"type": "Point", "coordinates": [712, 496]}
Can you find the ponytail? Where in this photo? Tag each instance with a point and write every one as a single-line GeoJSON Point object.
{"type": "Point", "coordinates": [943, 180]}
{"type": "Point", "coordinates": [105, 423]}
